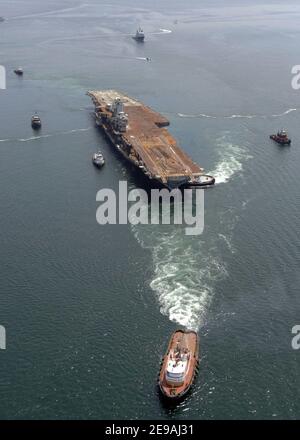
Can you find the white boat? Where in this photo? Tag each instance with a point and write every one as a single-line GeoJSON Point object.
{"type": "Point", "coordinates": [98, 159]}
{"type": "Point", "coordinates": [203, 180]}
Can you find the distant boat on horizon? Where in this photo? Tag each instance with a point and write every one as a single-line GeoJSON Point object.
{"type": "Point", "coordinates": [140, 35]}
{"type": "Point", "coordinates": [281, 137]}
{"type": "Point", "coordinates": [19, 71]}
{"type": "Point", "coordinates": [98, 159]}
{"type": "Point", "coordinates": [36, 122]}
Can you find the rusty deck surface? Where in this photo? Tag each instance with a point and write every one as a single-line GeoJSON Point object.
{"type": "Point", "coordinates": [151, 141]}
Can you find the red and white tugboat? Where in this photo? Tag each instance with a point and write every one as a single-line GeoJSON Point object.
{"type": "Point", "coordinates": [281, 138]}
{"type": "Point", "coordinates": [179, 365]}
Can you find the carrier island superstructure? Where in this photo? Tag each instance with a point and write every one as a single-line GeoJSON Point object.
{"type": "Point", "coordinates": [139, 134]}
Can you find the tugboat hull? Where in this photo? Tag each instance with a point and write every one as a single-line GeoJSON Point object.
{"type": "Point", "coordinates": [36, 122]}
{"type": "Point", "coordinates": [36, 125]}
{"type": "Point", "coordinates": [98, 160]}
{"type": "Point", "coordinates": [279, 140]}
{"type": "Point", "coordinates": [139, 39]}
{"type": "Point", "coordinates": [139, 36]}
{"type": "Point", "coordinates": [98, 164]}
{"type": "Point", "coordinates": [186, 340]}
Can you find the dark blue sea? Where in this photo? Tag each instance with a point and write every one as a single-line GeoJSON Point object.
{"type": "Point", "coordinates": [89, 309]}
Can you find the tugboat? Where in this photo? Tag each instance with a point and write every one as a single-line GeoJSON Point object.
{"type": "Point", "coordinates": [281, 138]}
{"type": "Point", "coordinates": [36, 122]}
{"type": "Point", "coordinates": [203, 180]}
{"type": "Point", "coordinates": [98, 159]}
{"type": "Point", "coordinates": [19, 71]}
{"type": "Point", "coordinates": [140, 35]}
{"type": "Point", "coordinates": [179, 365]}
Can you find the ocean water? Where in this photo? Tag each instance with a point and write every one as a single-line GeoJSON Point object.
{"type": "Point", "coordinates": [88, 309]}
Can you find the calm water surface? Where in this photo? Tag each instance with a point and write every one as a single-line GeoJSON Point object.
{"type": "Point", "coordinates": [88, 310]}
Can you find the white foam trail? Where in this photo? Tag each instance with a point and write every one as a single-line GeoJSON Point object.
{"type": "Point", "coordinates": [226, 169]}
{"type": "Point", "coordinates": [34, 138]}
{"type": "Point", "coordinates": [186, 269]}
{"type": "Point", "coordinates": [240, 116]}
{"type": "Point", "coordinates": [203, 115]}
{"type": "Point", "coordinates": [161, 32]}
{"type": "Point", "coordinates": [84, 37]}
{"type": "Point", "coordinates": [166, 31]}
{"type": "Point", "coordinates": [227, 240]}
{"type": "Point", "coordinates": [231, 160]}
{"type": "Point", "coordinates": [290, 110]}
{"type": "Point", "coordinates": [76, 130]}
{"type": "Point", "coordinates": [94, 36]}
{"type": "Point", "coordinates": [200, 115]}
{"type": "Point", "coordinates": [185, 272]}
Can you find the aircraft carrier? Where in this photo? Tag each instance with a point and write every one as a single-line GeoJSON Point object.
{"type": "Point", "coordinates": [139, 134]}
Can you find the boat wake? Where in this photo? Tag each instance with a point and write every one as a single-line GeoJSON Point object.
{"type": "Point", "coordinates": [93, 36]}
{"type": "Point", "coordinates": [231, 158]}
{"type": "Point", "coordinates": [290, 110]}
{"type": "Point", "coordinates": [203, 115]}
{"type": "Point", "coordinates": [200, 115]}
{"type": "Point", "coordinates": [33, 138]}
{"type": "Point", "coordinates": [160, 32]}
{"type": "Point", "coordinates": [44, 136]}
{"type": "Point", "coordinates": [185, 271]}
{"type": "Point", "coordinates": [166, 31]}
{"type": "Point", "coordinates": [85, 37]}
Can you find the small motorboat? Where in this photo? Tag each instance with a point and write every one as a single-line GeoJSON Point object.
{"type": "Point", "coordinates": [19, 71]}
{"type": "Point", "coordinates": [140, 35]}
{"type": "Point", "coordinates": [281, 137]}
{"type": "Point", "coordinates": [98, 159]}
{"type": "Point", "coordinates": [2, 19]}
{"type": "Point", "coordinates": [36, 122]}
{"type": "Point", "coordinates": [203, 180]}
{"type": "Point", "coordinates": [179, 365]}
